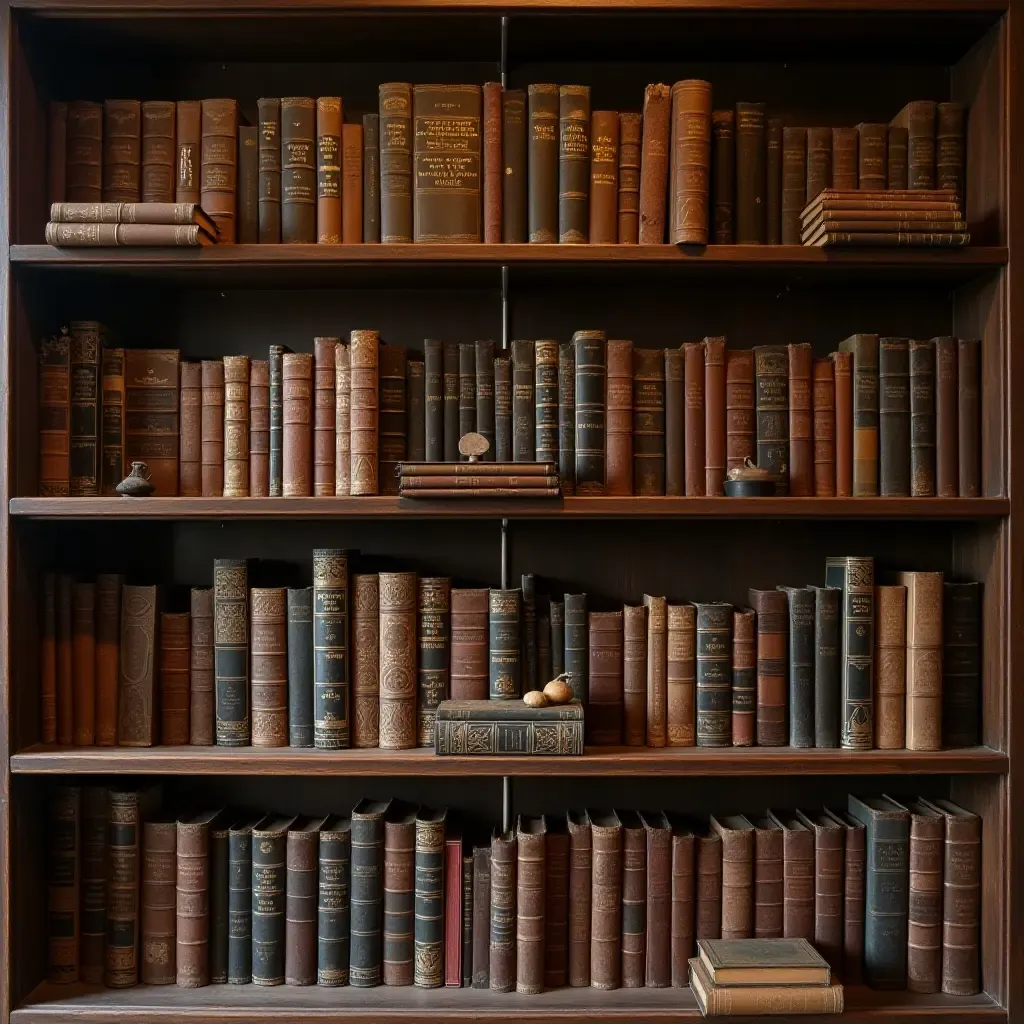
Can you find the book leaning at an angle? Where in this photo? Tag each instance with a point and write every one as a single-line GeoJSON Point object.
{"type": "Point", "coordinates": [761, 1000]}
{"type": "Point", "coordinates": [762, 962]}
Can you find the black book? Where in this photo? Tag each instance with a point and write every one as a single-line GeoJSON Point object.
{"type": "Point", "coordinates": [366, 894]}
{"type": "Point", "coordinates": [714, 675]}
{"type": "Point", "coordinates": [450, 389]}
{"type": "Point", "coordinates": [506, 682]}
{"type": "Point", "coordinates": [827, 602]}
{"type": "Point", "coordinates": [231, 650]}
{"type": "Point", "coordinates": [894, 417]}
{"type": "Point", "coordinates": [300, 667]}
{"type": "Point", "coordinates": [524, 444]}
{"type": "Point", "coordinates": [433, 631]}
{"type": "Point", "coordinates": [557, 638]}
{"type": "Point", "coordinates": [528, 634]}
{"type": "Point", "coordinates": [567, 417]}
{"type": "Point", "coordinates": [371, 177]}
{"type": "Point", "coordinates": [961, 663]}
{"type": "Point", "coordinates": [503, 409]}
{"type": "Point", "coordinates": [276, 416]}
{"type": "Point", "coordinates": [332, 930]}
{"type": "Point", "coordinates": [269, 846]}
{"type": "Point", "coordinates": [591, 359]}
{"type": "Point", "coordinates": [467, 392]}
{"type": "Point", "coordinates": [771, 407]}
{"type": "Point", "coordinates": [485, 412]}
{"type": "Point", "coordinates": [543, 613]}
{"type": "Point", "coordinates": [429, 899]}
{"type": "Point", "coordinates": [546, 399]}
{"type": "Point", "coordinates": [220, 833]}
{"type": "Point", "coordinates": [922, 419]}
{"type": "Point", "coordinates": [415, 380]}
{"type": "Point", "coordinates": [239, 894]}
{"type": "Point", "coordinates": [433, 399]}
{"type": "Point", "coordinates": [330, 649]}
{"type": "Point", "coordinates": [577, 654]}
{"type": "Point", "coordinates": [467, 919]}
{"type": "Point", "coordinates": [801, 665]}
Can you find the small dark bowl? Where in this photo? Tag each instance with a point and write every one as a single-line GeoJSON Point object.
{"type": "Point", "coordinates": [750, 488]}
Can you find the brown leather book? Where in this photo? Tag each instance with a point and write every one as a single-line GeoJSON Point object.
{"type": "Point", "coordinates": [573, 163]}
{"type": "Point", "coordinates": [175, 643]}
{"type": "Point", "coordinates": [580, 868]}
{"type": "Point", "coordinates": [896, 157]}
{"type": "Point", "coordinates": [236, 426]}
{"type": "Point", "coordinates": [619, 419]}
{"type": "Point", "coordinates": [606, 898]}
{"type": "Point", "coordinates": [853, 896]}
{"type": "Point", "coordinates": [393, 416]}
{"type": "Point", "coordinates": [556, 901]}
{"type": "Point", "coordinates": [843, 365]}
{"type": "Point", "coordinates": [248, 225]}
{"type": "Point", "coordinates": [744, 677]}
{"type": "Point", "coordinates": [84, 152]}
{"type": "Point", "coordinates": [675, 403]}
{"type": "Point", "coordinates": [768, 899]}
{"type": "Point", "coordinates": [924, 920]}
{"type": "Point", "coordinates": [918, 117]}
{"type": "Point", "coordinates": [829, 859]}
{"type": "Point", "coordinates": [158, 903]}
{"type": "Point", "coordinates": [192, 888]}
{"type": "Point", "coordinates": [750, 173]}
{"type": "Point", "coordinates": [112, 420]}
{"type": "Point", "coordinates": [343, 420]}
{"type": "Point", "coordinates": [212, 430]}
{"type": "Point", "coordinates": [634, 675]}
{"type": "Point", "coordinates": [56, 151]}
{"type": "Point", "coordinates": [329, 119]}
{"type": "Point", "coordinates": [922, 419]}
{"type": "Point", "coordinates": [86, 427]}
{"type": "Point", "coordinates": [481, 928]}
{"type": "Point", "coordinates": [269, 666]}
{"type": "Point", "coordinates": [469, 644]}
{"type": "Point", "coordinates": [872, 156]}
{"type": "Point", "coordinates": [654, 163]}
{"type": "Point", "coordinates": [794, 182]}
{"type": "Point", "coordinates": [658, 899]}
{"type": "Point", "coordinates": [681, 675]}
{"type": "Point", "coordinates": [634, 899]}
{"type": "Point", "coordinates": [605, 697]}
{"type": "Point", "coordinates": [773, 181]}
{"type": "Point", "coordinates": [630, 125]}
{"type": "Point", "coordinates": [823, 395]}
{"type": "Point", "coordinates": [415, 390]}
{"type": "Point", "coordinates": [845, 174]}
{"type": "Point", "coordinates": [55, 415]}
{"type": "Point", "coordinates": [503, 912]}
{"type": "Point", "coordinates": [190, 481]}
{"type": "Point", "coordinates": [798, 876]}
{"type": "Point", "coordinates": [397, 660]}
{"type": "Point", "coordinates": [493, 164]}
{"type": "Point", "coordinates": [201, 680]}
{"type": "Point", "coordinates": [657, 670]}
{"type": "Point", "coordinates": [682, 901]}
{"type": "Point", "coordinates": [218, 165]}
{"type": "Point", "coordinates": [64, 660]}
{"type": "Point", "coordinates": [924, 659]}
{"type": "Point", "coordinates": [801, 439]}
{"type": "Point", "coordinates": [890, 667]}
{"type": "Point", "coordinates": [739, 408]}
{"type": "Point", "coordinates": [122, 138]}
{"type": "Point", "coordinates": [399, 892]}
{"type": "Point", "coordinates": [259, 428]}
{"type": "Point", "coordinates": [707, 883]}
{"type": "Point", "coordinates": [364, 411]}
{"type": "Point", "coordinates": [715, 437]}
{"type": "Point", "coordinates": [723, 183]}
{"type": "Point", "coordinates": [542, 155]}
{"type": "Point", "coordinates": [48, 660]}
{"type": "Point", "coordinates": [136, 692]}
{"type": "Point", "coordinates": [648, 421]}
{"type": "Point", "coordinates": [297, 417]}
{"type": "Point", "coordinates": [604, 177]}
{"type": "Point", "coordinates": [324, 416]}
{"type": "Point", "coordinates": [694, 418]}
{"type": "Point", "coordinates": [83, 661]}
{"type": "Point", "coordinates": [690, 162]}
{"type": "Point", "coordinates": [151, 418]}
{"type": "Point", "coordinates": [737, 835]}
{"type": "Point", "coordinates": [352, 183]}
{"type": "Point", "coordinates": [300, 917]}
{"type": "Point", "coordinates": [269, 163]}
{"type": "Point", "coordinates": [158, 152]}
{"type": "Point", "coordinates": [772, 625]}
{"type": "Point", "coordinates": [947, 440]}
{"type": "Point", "coordinates": [299, 163]}
{"type": "Point", "coordinates": [365, 660]}
{"type": "Point", "coordinates": [530, 841]}
{"type": "Point", "coordinates": [107, 650]}
{"type": "Point", "coordinates": [188, 151]}
{"type": "Point", "coordinates": [968, 417]}
{"type": "Point", "coordinates": [949, 146]}
{"type": "Point", "coordinates": [819, 161]}
{"type": "Point", "coordinates": [396, 143]}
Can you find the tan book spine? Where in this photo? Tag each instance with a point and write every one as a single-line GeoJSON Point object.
{"type": "Point", "coordinates": [890, 667]}
{"type": "Point", "coordinates": [324, 416]}
{"type": "Point", "coordinates": [364, 411]}
{"type": "Point", "coordinates": [218, 166]}
{"type": "Point", "coordinates": [201, 685]}
{"type": "Point", "coordinates": [681, 675]}
{"type": "Point", "coordinates": [739, 408]}
{"type": "Point", "coordinates": [158, 902]}
{"type": "Point", "coordinates": [397, 660]}
{"type": "Point", "coordinates": [175, 641]}
{"type": "Point", "coordinates": [630, 125]}
{"type": "Point", "coordinates": [269, 645]}
{"type": "Point", "coordinates": [342, 420]}
{"type": "Point", "coordinates": [190, 475]}
{"type": "Point", "coordinates": [365, 660]}
{"type": "Point", "coordinates": [351, 184]}
{"type": "Point", "coordinates": [259, 428]}
{"type": "Point", "coordinates": [924, 659]}
{"type": "Point", "coordinates": [328, 170]}
{"type": "Point", "coordinates": [297, 416]}
{"type": "Point", "coordinates": [606, 900]}
{"type": "Point", "coordinates": [691, 161]}
{"type": "Point", "coordinates": [657, 670]}
{"type": "Point", "coordinates": [212, 437]}
{"type": "Point", "coordinates": [236, 426]}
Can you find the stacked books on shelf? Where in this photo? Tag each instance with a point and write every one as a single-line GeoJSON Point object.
{"type": "Point", "coordinates": [394, 895]}
{"type": "Point", "coordinates": [534, 165]}
{"type": "Point", "coordinates": [885, 416]}
{"type": "Point", "coordinates": [364, 659]}
{"type": "Point", "coordinates": [477, 479]}
{"type": "Point", "coordinates": [93, 224]}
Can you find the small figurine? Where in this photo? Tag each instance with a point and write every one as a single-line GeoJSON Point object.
{"type": "Point", "coordinates": [137, 483]}
{"type": "Point", "coordinates": [749, 481]}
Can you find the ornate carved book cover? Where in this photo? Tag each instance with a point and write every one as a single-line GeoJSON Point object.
{"type": "Point", "coordinates": [771, 371]}
{"type": "Point", "coordinates": [604, 177]}
{"type": "Point", "coordinates": [297, 412]}
{"type": "Point", "coordinates": [84, 168]}
{"type": "Point", "coordinates": [367, 839]}
{"type": "Point", "coordinates": [514, 177]}
{"type": "Point", "coordinates": [298, 169]}
{"type": "Point", "coordinates": [925, 897]}
{"type": "Point", "coordinates": [924, 659]}
{"type": "Point", "coordinates": [546, 401]}
{"type": "Point", "coordinates": [175, 639]}
{"type": "Point", "coordinates": [239, 897]}
{"type": "Point", "coordinates": [918, 117]}
{"type": "Point", "coordinates": [801, 436]}
{"type": "Point", "coordinates": [481, 958]}
{"type": "Point", "coordinates": [269, 882]}
{"type": "Point", "coordinates": [269, 151]}
{"type": "Point", "coordinates": [434, 654]}
{"type": "Point", "coordinates": [739, 408]}
{"type": "Point", "coordinates": [829, 855]}
{"type": "Point", "coordinates": [606, 898]}
{"type": "Point", "coordinates": [693, 418]}
{"type": "Point", "coordinates": [371, 178]}
{"type": "Point", "coordinates": [872, 159]}
{"type": "Point", "coordinates": [744, 677]}
{"type": "Point", "coordinates": [843, 365]}
{"type": "Point", "coordinates": [231, 651]}
{"type": "Point", "coordinates": [713, 675]}
{"type": "Point", "coordinates": [768, 879]}
{"type": "Point", "coordinates": [329, 118]}
{"type": "Point", "coordinates": [827, 601]}
{"type": "Point", "coordinates": [157, 902]}
{"type": "Point", "coordinates": [55, 415]}
{"type": "Point", "coordinates": [634, 899]}
{"type": "Point", "coordinates": [397, 660]}
{"type": "Point", "coordinates": [95, 815]}
{"type": "Point", "coordinates": [343, 421]}
{"type": "Point", "coordinates": [268, 625]}
{"type": "Point", "coordinates": [248, 185]}
{"type": "Point", "coordinates": [707, 883]}
{"type": "Point", "coordinates": [83, 660]}
{"type": "Point", "coordinates": [801, 602]}
{"type": "Point", "coordinates": [236, 426]}
{"type": "Point", "coordinates": [212, 437]}
{"type": "Point", "coordinates": [484, 389]}
{"type": "Point", "coordinates": [192, 889]}
{"type": "Point", "coordinates": [634, 675]}
{"type": "Point", "coordinates": [680, 675]}
{"type": "Point", "coordinates": [365, 660]}
{"type": "Point", "coordinates": [401, 827]}
{"type": "Point", "coordinates": [961, 664]}
{"type": "Point", "coordinates": [152, 411]}
{"type": "Point", "coordinates": [365, 404]}
{"type": "Point", "coordinates": [591, 371]}
{"type": "Point", "coordinates": [898, 140]}
{"type": "Point", "coordinates": [556, 901]}
{"type": "Point", "coordinates": [654, 163]}
{"type": "Point", "coordinates": [63, 916]}
{"type": "Point", "coordinates": [136, 725]}
{"type": "Point", "coordinates": [682, 900]}
{"type": "Point", "coordinates": [922, 419]}
{"type": "Point", "coordinates": [492, 162]}
{"type": "Point", "coordinates": [324, 416]}
{"type": "Point", "coordinates": [530, 841]}
{"type": "Point", "coordinates": [723, 182]}
{"type": "Point", "coordinates": [508, 727]}
{"type": "Point", "coordinates": [823, 395]}
{"type": "Point", "coordinates": [201, 672]}
{"type": "Point", "coordinates": [797, 875]}
{"type": "Point", "coordinates": [630, 126]}
{"type": "Point", "coordinates": [573, 163]}
{"type": "Point", "coordinates": [330, 649]}
{"type": "Point", "coordinates": [217, 167]}
{"type": "Point", "coordinates": [968, 417]}
{"type": "Point", "coordinates": [890, 667]}
{"type": "Point", "coordinates": [543, 163]}
{"type": "Point", "coordinates": [853, 896]}
{"type": "Point", "coordinates": [300, 666]}
{"type": "Point", "coordinates": [605, 696]}
{"type": "Point", "coordinates": [894, 417]}
{"type": "Point", "coordinates": [863, 349]}
{"type": "Point", "coordinates": [333, 909]}
{"type": "Point", "coordinates": [750, 173]}
{"type": "Point", "coordinates": [690, 162]}
{"type": "Point", "coordinates": [737, 835]}
{"type": "Point", "coordinates": [771, 607]}
{"type": "Point", "coordinates": [122, 136]}
{"type": "Point", "coordinates": [352, 183]}
{"type": "Point", "coordinates": [113, 420]}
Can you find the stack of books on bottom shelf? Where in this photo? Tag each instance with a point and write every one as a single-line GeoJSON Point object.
{"type": "Point", "coordinates": [134, 224]}
{"type": "Point", "coordinates": [478, 480]}
{"type": "Point", "coordinates": [762, 976]}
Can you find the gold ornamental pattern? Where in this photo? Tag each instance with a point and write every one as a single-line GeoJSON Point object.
{"type": "Point", "coordinates": [363, 412]}
{"type": "Point", "coordinates": [397, 660]}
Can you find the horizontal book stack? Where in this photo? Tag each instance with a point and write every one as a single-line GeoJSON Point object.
{"type": "Point", "coordinates": [133, 224]}
{"type": "Point", "coordinates": [478, 480]}
{"type": "Point", "coordinates": [531, 165]}
{"type": "Point", "coordinates": [592, 898]}
{"type": "Point", "coordinates": [364, 659]}
{"type": "Point", "coordinates": [885, 416]}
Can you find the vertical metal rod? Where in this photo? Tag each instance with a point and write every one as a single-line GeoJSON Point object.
{"type": "Point", "coordinates": [504, 52]}
{"type": "Point", "coordinates": [504, 554]}
{"type": "Point", "coordinates": [504, 308]}
{"type": "Point", "coordinates": [506, 803]}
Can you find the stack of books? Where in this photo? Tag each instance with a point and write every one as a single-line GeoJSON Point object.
{"type": "Point", "coordinates": [478, 480]}
{"type": "Point", "coordinates": [135, 224]}
{"type": "Point", "coordinates": [894, 217]}
{"type": "Point", "coordinates": [762, 976]}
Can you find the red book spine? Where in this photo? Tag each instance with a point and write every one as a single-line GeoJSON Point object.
{"type": "Point", "coordinates": [453, 912]}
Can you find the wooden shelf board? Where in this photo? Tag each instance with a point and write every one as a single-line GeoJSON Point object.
{"type": "Point", "coordinates": [241, 1004]}
{"type": "Point", "coordinates": [47, 759]}
{"type": "Point", "coordinates": [564, 508]}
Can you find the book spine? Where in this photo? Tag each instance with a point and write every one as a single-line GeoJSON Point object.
{"type": "Point", "coordinates": [573, 163]}
{"type": "Point", "coordinates": [708, 887]}
{"type": "Point", "coordinates": [530, 842]}
{"type": "Point", "coordinates": [55, 415]}
{"type": "Point", "coordinates": [772, 614]}
{"type": "Point", "coordinates": [299, 163]}
{"type": "Point", "coordinates": [924, 659]}
{"type": "Point", "coordinates": [352, 184]}
{"type": "Point", "coordinates": [556, 905]}
{"type": "Point", "coordinates": [366, 899]}
{"type": "Point", "coordinates": [193, 904]}
{"type": "Point", "coordinates": [157, 901]}
{"type": "Point", "coordinates": [673, 440]}
{"type": "Point", "coordinates": [502, 409]}
{"type": "Point", "coordinates": [365, 660]}
{"type": "Point", "coordinates": [628, 227]}
{"type": "Point", "coordinates": [654, 163]}
{"type": "Point", "coordinates": [921, 359]}
{"type": "Point", "coordinates": [634, 675]}
{"type": "Point", "coordinates": [218, 948]}
{"type": "Point", "coordinates": [845, 176]}
{"type": "Point", "coordinates": [773, 181]}
{"type": "Point", "coordinates": [557, 638]}
{"type": "Point", "coordinates": [324, 416]}
{"type": "Point", "coordinates": [682, 906]}
{"type": "Point", "coordinates": [819, 161]}
{"type": "Point", "coordinates": [84, 452]}
{"type": "Point", "coordinates": [469, 645]}
{"type": "Point", "coordinates": [63, 918]}
{"type": "Point", "coordinates": [231, 651]}
{"type": "Point", "coordinates": [543, 163]}
{"type": "Point", "coordinates": [122, 136]}
{"type": "Point", "coordinates": [397, 660]}
{"type": "Point", "coordinates": [896, 164]}
{"type": "Point", "coordinates": [415, 390]}
{"type": "Point", "coordinates": [269, 667]}
{"type": "Point", "coordinates": [577, 661]}
{"type": "Point", "coordinates": [191, 439]}
{"type": "Point", "coordinates": [658, 856]}
{"type": "Point", "coordinates": [330, 649]}
{"type": "Point", "coordinates": [269, 896]}
{"type": "Point", "coordinates": [343, 421]}
{"type": "Point", "coordinates": [328, 170]}
{"type": "Point", "coordinates": [714, 416]}
{"type": "Point", "coordinates": [524, 415]}
{"type": "Point", "coordinates": [333, 917]}
{"type": "Point", "coordinates": [950, 146]}
{"type": "Point", "coordinates": [259, 428]}
{"type": "Point", "coordinates": [946, 427]}
{"type": "Point", "coordinates": [801, 666]}
{"type": "Point", "coordinates": [212, 437]}
{"type": "Point", "coordinates": [546, 401]}
{"type": "Point", "coordinates": [798, 880]}
{"type": "Point", "coordinates": [236, 427]}
{"type": "Point", "coordinates": [84, 167]}
{"type": "Point", "coordinates": [681, 675]}
{"type": "Point", "coordinates": [690, 166]}
{"type": "Point", "coordinates": [606, 902]}
{"type": "Point", "coordinates": [201, 668]}
{"type": "Point", "coordinates": [113, 409]}
{"type": "Point", "coordinates": [434, 653]}
{"type": "Point", "coordinates": [580, 882]}
{"type": "Point", "coordinates": [248, 185]}
{"type": "Point", "coordinates": [400, 849]}
{"type": "Point", "coordinates": [174, 678]}
{"type": "Point", "coordinates": [505, 736]}
{"type": "Point", "coordinates": [371, 177]}
{"type": "Point", "coordinates": [567, 417]}
{"type": "Point", "coordinates": [528, 634]}
{"type": "Point", "coordinates": [968, 417]}
{"type": "Point", "coordinates": [591, 372]}
{"type": "Point", "coordinates": [657, 670]}
{"type": "Point", "coordinates": [239, 897]}
{"type": "Point", "coordinates": [123, 835]}
{"type": "Point", "coordinates": [218, 165]}
{"type": "Point", "coordinates": [137, 697]}
{"type": "Point", "coordinates": [739, 408]}
{"type": "Point", "coordinates": [961, 663]}
{"type": "Point", "coordinates": [396, 145]}
{"type": "Point", "coordinates": [433, 400]}
{"type": "Point", "coordinates": [890, 667]}
{"type": "Point", "coordinates": [83, 659]}
{"type": "Point", "coordinates": [619, 416]}
{"type": "Point", "coordinates": [801, 422]}
{"type": "Point", "coordinates": [854, 868]}
{"type": "Point", "coordinates": [714, 675]}
{"type": "Point", "coordinates": [365, 405]}
{"type": "Point", "coordinates": [269, 152]}
{"type": "Point", "coordinates": [466, 974]}
{"type": "Point", "coordinates": [504, 644]}
{"type": "Point", "coordinates": [750, 173]}
{"type": "Point", "coordinates": [481, 918]}
{"type": "Point", "coordinates": [864, 349]}
{"type": "Point", "coordinates": [924, 901]}
{"type": "Point", "coordinates": [772, 413]}
{"type": "Point", "coordinates": [823, 394]}
{"type": "Point", "coordinates": [604, 177]}
{"type": "Point", "coordinates": [634, 901]}
{"type": "Point", "coordinates": [826, 666]}
{"type": "Point", "coordinates": [961, 917]}
{"type": "Point", "coordinates": [768, 880]}
{"type": "Point", "coordinates": [872, 160]}
{"type": "Point", "coordinates": [106, 648]}
{"type": "Point", "coordinates": [918, 117]}
{"type": "Point", "coordinates": [694, 419]}
{"type": "Point", "coordinates": [492, 161]}
{"type": "Point", "coordinates": [737, 880]}
{"type": "Point", "coordinates": [744, 678]}
{"type": "Point", "coordinates": [483, 389]}
{"type": "Point", "coordinates": [723, 182]}
{"type": "Point", "coordinates": [467, 392]}
{"type": "Point", "coordinates": [605, 697]}
{"type": "Point", "coordinates": [894, 417]}
{"type": "Point", "coordinates": [842, 365]}
{"type": "Point", "coordinates": [452, 404]}
{"type": "Point", "coordinates": [649, 422]}
{"type": "Point", "coordinates": [513, 144]}
{"type": "Point", "coordinates": [503, 912]}
{"type": "Point", "coordinates": [297, 410]}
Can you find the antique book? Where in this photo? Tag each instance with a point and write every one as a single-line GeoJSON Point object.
{"type": "Point", "coordinates": [365, 713]}
{"type": "Point", "coordinates": [248, 186]}
{"type": "Point", "coordinates": [567, 417]}
{"type": "Point", "coordinates": [773, 181]}
{"type": "Point", "coordinates": [690, 162]}
{"type": "Point", "coordinates": [212, 430]}
{"type": "Point", "coordinates": [797, 875]}
{"type": "Point", "coordinates": [352, 183]}
{"type": "Point", "coordinates": [137, 697]}
{"type": "Point", "coordinates": [397, 660]}
{"type": "Point", "coordinates": [681, 672]}
{"type": "Point", "coordinates": [921, 361]}
{"type": "Point", "coordinates": [872, 159]}
{"type": "Point", "coordinates": [750, 173]}
{"type": "Point", "coordinates": [693, 419]}
{"type": "Point", "coordinates": [543, 614]}
{"type": "Point", "coordinates": [794, 182]}
{"type": "Point", "coordinates": [961, 663]}
{"type": "Point", "coordinates": [492, 161]}
{"type": "Point", "coordinates": [923, 659]}
{"type": "Point", "coordinates": [64, 694]}
{"type": "Point", "coordinates": [605, 694]}
{"type": "Point", "coordinates": [467, 391]}
{"type": "Point", "coordinates": [771, 607]}
{"type": "Point", "coordinates": [801, 602]}
{"type": "Point", "coordinates": [297, 418]}
{"type": "Point", "coordinates": [152, 414]}
{"type": "Point", "coordinates": [579, 891]}
{"type": "Point", "coordinates": [591, 372]}
{"type": "Point", "coordinates": [829, 857]}
{"type": "Point", "coordinates": [236, 426]}
{"type": "Point", "coordinates": [502, 952]}
{"type": "Point", "coordinates": [726, 1000]}
{"type": "Point", "coordinates": [744, 678]}
{"type": "Point", "coordinates": [949, 146]}
{"type": "Point", "coordinates": [545, 400]}
{"type": "Point", "coordinates": [324, 414]}
{"type": "Point", "coordinates": [83, 661]}
{"type": "Point", "coordinates": [657, 670]}
{"type": "Point", "coordinates": [48, 659]}
{"type": "Point", "coordinates": [220, 837]}
{"type": "Point", "coordinates": [675, 423]}
{"type": "Point", "coordinates": [299, 163]}
{"type": "Point", "coordinates": [84, 168]}
{"type": "Point", "coordinates": [122, 138]}
{"type": "Point", "coordinates": [894, 417]}
{"type": "Point", "coordinates": [329, 120]}
{"type": "Point", "coordinates": [925, 896]}
{"type": "Point", "coordinates": [192, 891]}
{"type": "Point", "coordinates": [528, 634]}
{"type": "Point", "coordinates": [434, 614]}
{"type": "Point", "coordinates": [87, 339]}
{"type": "Point", "coordinates": [502, 410]}
{"type": "Point", "coordinates": [634, 899]}
{"type": "Point", "coordinates": [855, 576]}
{"type": "Point", "coordinates": [739, 408]}
{"type": "Point", "coordinates": [823, 397]}
{"type": "Point", "coordinates": [887, 839]}
{"type": "Point", "coordinates": [853, 895]}
{"type": "Point", "coordinates": [634, 675]}
{"type": "Point", "coordinates": [446, 163]}
{"type": "Point", "coordinates": [682, 900]}
{"type": "Point", "coordinates": [723, 180]}
{"type": "Point", "coordinates": [576, 656]}
{"type": "Point", "coordinates": [230, 650]}
{"type": "Point", "coordinates": [524, 413]}
{"type": "Point", "coordinates": [513, 153]}
{"type": "Point", "coordinates": [217, 166]}
{"type": "Point", "coordinates": [364, 411]}
{"type": "Point", "coordinates": [201, 669]}
{"type": "Point", "coordinates": [714, 674]}
{"type": "Point", "coordinates": [469, 644]}
{"type": "Point", "coordinates": [947, 440]}
{"type": "Point", "coordinates": [654, 163]}
{"type": "Point", "coordinates": [259, 428]}
{"type": "Point", "coordinates": [63, 912]}
{"type": "Point", "coordinates": [107, 656]}
{"type": "Point", "coordinates": [715, 437]}
{"type": "Point", "coordinates": [842, 363]}
{"type": "Point", "coordinates": [573, 163]}
{"type": "Point", "coordinates": [269, 881]}
{"type": "Point", "coordinates": [619, 419]}
{"type": "Point", "coordinates": [239, 897]}
{"type": "Point", "coordinates": [844, 159]}
{"type": "Point", "coordinates": [648, 422]}
{"type": "Point", "coordinates": [530, 843]}
{"type": "Point", "coordinates": [481, 898]}
{"type": "Point", "coordinates": [607, 877]}
{"type": "Point", "coordinates": [801, 421]}
{"type": "Point", "coordinates": [508, 727]}
{"type": "Point", "coordinates": [968, 417]}
{"type": "Point", "coordinates": [190, 468]}
{"type": "Point", "coordinates": [433, 399]}
{"type": "Point", "coordinates": [890, 667]}
{"type": "Point", "coordinates": [750, 963]}
{"type": "Point", "coordinates": [452, 954]}
{"type": "Point", "coordinates": [557, 637]}
{"type": "Point", "coordinates": [819, 161]}
{"type": "Point", "coordinates": [331, 730]}
{"type": "Point", "coordinates": [604, 177]}
{"type": "Point", "coordinates": [333, 909]}
{"type": "Point", "coordinates": [707, 875]}
{"type": "Point", "coordinates": [657, 897]}
{"type": "Point", "coordinates": [343, 420]}
{"type": "Point", "coordinates": [543, 162]}
{"type": "Point", "coordinates": [402, 828]}
{"type": "Point", "coordinates": [366, 894]}
{"type": "Point", "coordinates": [269, 182]}
{"type": "Point", "coordinates": [556, 901]}
{"type": "Point", "coordinates": [396, 149]}
{"type": "Point", "coordinates": [630, 126]}
{"type": "Point", "coordinates": [827, 601]}
{"type": "Point", "coordinates": [157, 903]}
{"type": "Point", "coordinates": [771, 404]}
{"type": "Point", "coordinates": [768, 879]}
{"type": "Point", "coordinates": [175, 638]}
{"type": "Point", "coordinates": [737, 835]}
{"type": "Point", "coordinates": [269, 666]}
{"type": "Point", "coordinates": [918, 117]}
{"type": "Point", "coordinates": [864, 350]}
{"type": "Point", "coordinates": [896, 163]}
{"type": "Point", "coordinates": [505, 672]}
{"type": "Point", "coordinates": [55, 414]}
{"type": "Point", "coordinates": [371, 177]}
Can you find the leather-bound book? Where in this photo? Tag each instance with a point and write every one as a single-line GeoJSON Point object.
{"type": "Point", "coordinates": [768, 879]}
{"type": "Point", "coordinates": [513, 149]}
{"type": "Point", "coordinates": [682, 901]}
{"type": "Point", "coordinates": [580, 871]}
{"type": "Point", "coordinates": [797, 875]}
{"type": "Point", "coordinates": [365, 405]}
{"type": "Point", "coordinates": [961, 663]}
{"type": "Point", "coordinates": [634, 899]}
{"type": "Point", "coordinates": [55, 415]}
{"type": "Point", "coordinates": [771, 373]}
{"type": "Point", "coordinates": [192, 892]}
{"type": "Point", "coordinates": [402, 827]}
{"type": "Point", "coordinates": [890, 667]}
{"type": "Point", "coordinates": [87, 338]}
{"type": "Point", "coordinates": [842, 363]}
{"type": "Point", "coordinates": [269, 896]}
{"type": "Point", "coordinates": [433, 353]}
{"type": "Point", "coordinates": [694, 419]}
{"type": "Point", "coordinates": [921, 359]}
{"type": "Point", "coordinates": [566, 417]}
{"type": "Point", "coordinates": [894, 417]}
{"type": "Point", "coordinates": [297, 424]}
{"type": "Point", "coordinates": [175, 639]}
{"type": "Point", "coordinates": [658, 900]}
{"type": "Point", "coordinates": [259, 428]}
{"type": "Point", "coordinates": [469, 644]}
{"type": "Point", "coordinates": [63, 915]}
{"type": "Point", "coordinates": [737, 835]}
{"type": "Point", "coordinates": [396, 146]}
{"type": "Point", "coordinates": [484, 388]}
{"type": "Point", "coordinates": [239, 900]}
{"type": "Point", "coordinates": [543, 163]}
{"type": "Point", "coordinates": [503, 912]}
{"type": "Point", "coordinates": [57, 151]}
{"type": "Point", "coordinates": [924, 659]}
{"type": "Point", "coordinates": [157, 902]}
{"type": "Point", "coordinates": [467, 391]}
{"type": "Point", "coordinates": [607, 878]}
{"type": "Point", "coordinates": [269, 666]}
{"type": "Point", "coordinates": [505, 674]}
{"type": "Point", "coordinates": [190, 482]}
{"type": "Point", "coordinates": [918, 117]}
{"type": "Point", "coordinates": [492, 162]}
{"type": "Point", "coordinates": [591, 360]}
{"type": "Point", "coordinates": [212, 437]}
{"type": "Point", "coordinates": [577, 661]}
{"type": "Point", "coordinates": [365, 660]}
{"type": "Point", "coordinates": [654, 163]}
{"type": "Point", "coordinates": [819, 161]}
{"type": "Point", "coordinates": [434, 653]}
{"type": "Point", "coordinates": [543, 612]}
{"type": "Point", "coordinates": [750, 173]}
{"type": "Point", "coordinates": [648, 422]}
{"type": "Point", "coordinates": [366, 896]}
{"type": "Point", "coordinates": [853, 896]}
{"type": "Point", "coordinates": [573, 163]}
{"type": "Point", "coordinates": [690, 162]}
{"type": "Point", "coordinates": [343, 421]}
{"type": "Point", "coordinates": [739, 408]}
{"type": "Point", "coordinates": [481, 927]}
{"type": "Point", "coordinates": [949, 146]}
{"type": "Point", "coordinates": [657, 670]}
{"type": "Point", "coordinates": [324, 416]}
{"type": "Point", "coordinates": [352, 183]}
{"type": "Point", "coordinates": [864, 351]}
{"type": "Point", "coordinates": [502, 409]}
{"type": "Point", "coordinates": [230, 650]}
{"type": "Point", "coordinates": [530, 841]}
{"type": "Point", "coordinates": [328, 170]}
{"type": "Point", "coordinates": [64, 658]}
{"type": "Point", "coordinates": [827, 601]}
{"type": "Point", "coordinates": [201, 671]}
{"type": "Point", "coordinates": [524, 415]}
{"type": "Point", "coordinates": [714, 674]}
{"type": "Point", "coordinates": [393, 416]}
{"type": "Point", "coordinates": [558, 637]}
{"type": "Point", "coordinates": [556, 901]}
{"type": "Point", "coordinates": [896, 162]}
{"type": "Point", "coordinates": [794, 182]}
{"type": "Point", "coordinates": [630, 125]}
{"type": "Point", "coordinates": [48, 660]}
{"type": "Point", "coordinates": [829, 857]}
{"type": "Point", "coordinates": [845, 176]}
{"type": "Point", "coordinates": [333, 912]}
{"type": "Point", "coordinates": [619, 419]}
{"type": "Point", "coordinates": [528, 634]}
{"type": "Point", "coordinates": [85, 152]}
{"type": "Point", "coordinates": [823, 398]}
{"type": "Point", "coordinates": [887, 843]}
{"type": "Point", "coordinates": [744, 677]}
{"type": "Point", "coordinates": [220, 835]}
{"type": "Point", "coordinates": [371, 177]}
{"type": "Point", "coordinates": [331, 730]}
{"type": "Point", "coordinates": [397, 660]}
{"type": "Point", "coordinates": [83, 659]}
{"type": "Point", "coordinates": [707, 883]}
{"type": "Point", "coordinates": [137, 698]}
{"type": "Point", "coordinates": [680, 675]}
{"type": "Point", "coordinates": [248, 185]}
{"type": "Point", "coordinates": [634, 675]}
{"type": "Point", "coordinates": [801, 419]}
{"type": "Point", "coordinates": [453, 922]}
{"type": "Point", "coordinates": [801, 602]}
{"type": "Point", "coordinates": [872, 158]}
{"type": "Point", "coordinates": [723, 182]}
{"type": "Point", "coordinates": [968, 416]}
{"type": "Point", "coordinates": [122, 139]}
{"type": "Point", "coordinates": [675, 458]}
{"type": "Point", "coordinates": [604, 177]}
{"type": "Point", "coordinates": [269, 202]}
{"type": "Point", "coordinates": [947, 441]}
{"type": "Point", "coordinates": [299, 169]}
{"type": "Point", "coordinates": [302, 856]}
{"type": "Point", "coordinates": [605, 696]}
{"type": "Point", "coordinates": [773, 181]}
{"type": "Point", "coordinates": [925, 896]}
{"type": "Point", "coordinates": [107, 656]}
{"type": "Point", "coordinates": [772, 609]}
{"type": "Point", "coordinates": [159, 152]}
{"type": "Point", "coordinates": [218, 165]}
{"type": "Point", "coordinates": [446, 158]}
{"type": "Point", "coordinates": [236, 426]}
{"type": "Point", "coordinates": [715, 436]}
{"type": "Point", "coordinates": [545, 400]}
